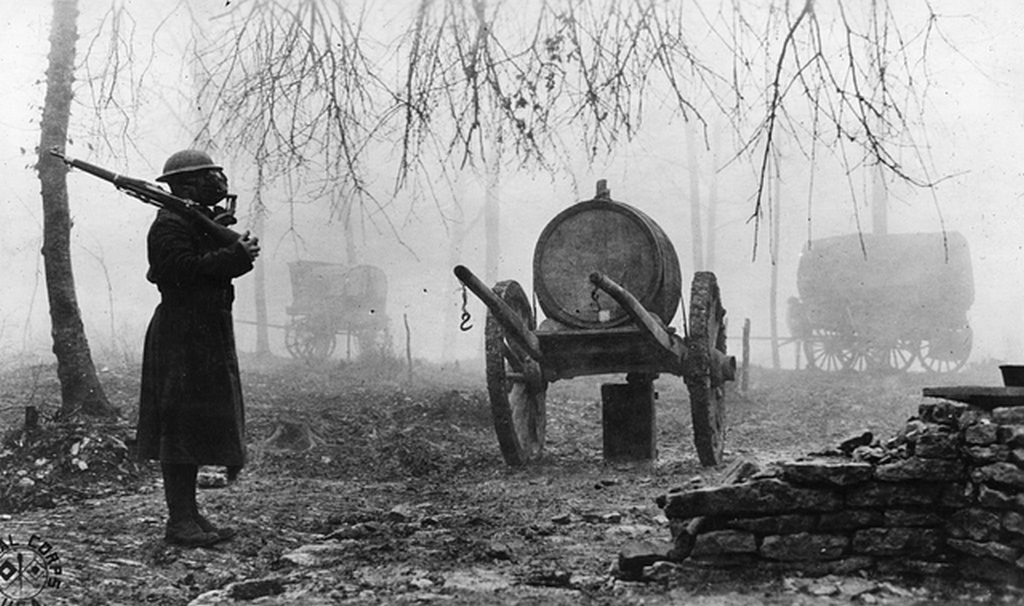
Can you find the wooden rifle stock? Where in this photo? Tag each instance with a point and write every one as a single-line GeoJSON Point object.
{"type": "Point", "coordinates": [153, 194]}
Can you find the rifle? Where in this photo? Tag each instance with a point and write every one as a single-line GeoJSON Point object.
{"type": "Point", "coordinates": [153, 194]}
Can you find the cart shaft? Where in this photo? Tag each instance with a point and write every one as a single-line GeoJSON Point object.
{"type": "Point", "coordinates": [506, 316]}
{"type": "Point", "coordinates": [647, 322]}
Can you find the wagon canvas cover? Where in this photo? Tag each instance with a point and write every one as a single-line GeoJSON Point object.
{"type": "Point", "coordinates": [924, 274]}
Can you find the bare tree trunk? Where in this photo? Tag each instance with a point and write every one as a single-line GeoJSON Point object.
{"type": "Point", "coordinates": [697, 240]}
{"type": "Point", "coordinates": [260, 294]}
{"type": "Point", "coordinates": [349, 232]}
{"type": "Point", "coordinates": [716, 142]}
{"type": "Point", "coordinates": [879, 202]}
{"type": "Point", "coordinates": [80, 386]}
{"type": "Point", "coordinates": [492, 224]}
{"type": "Point", "coordinates": [773, 305]}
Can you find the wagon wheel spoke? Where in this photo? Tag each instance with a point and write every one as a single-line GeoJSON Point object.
{"type": "Point", "coordinates": [946, 350]}
{"type": "Point", "coordinates": [897, 356]}
{"type": "Point", "coordinates": [824, 350]}
{"type": "Point", "coordinates": [707, 401]}
{"type": "Point", "coordinates": [515, 387]}
{"type": "Point", "coordinates": [857, 354]}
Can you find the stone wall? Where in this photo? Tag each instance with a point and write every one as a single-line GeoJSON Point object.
{"type": "Point", "coordinates": [944, 497]}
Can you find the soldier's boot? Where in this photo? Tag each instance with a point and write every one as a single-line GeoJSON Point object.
{"type": "Point", "coordinates": [180, 493]}
{"type": "Point", "coordinates": [223, 532]}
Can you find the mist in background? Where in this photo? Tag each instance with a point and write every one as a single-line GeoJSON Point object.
{"type": "Point", "coordinates": [976, 126]}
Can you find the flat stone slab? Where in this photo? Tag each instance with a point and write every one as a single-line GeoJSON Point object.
{"type": "Point", "coordinates": [982, 396]}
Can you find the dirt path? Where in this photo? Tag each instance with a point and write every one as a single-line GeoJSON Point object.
{"type": "Point", "coordinates": [401, 498]}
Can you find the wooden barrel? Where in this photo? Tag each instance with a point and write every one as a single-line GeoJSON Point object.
{"type": "Point", "coordinates": [617, 240]}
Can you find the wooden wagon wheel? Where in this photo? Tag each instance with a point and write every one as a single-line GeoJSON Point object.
{"type": "Point", "coordinates": [858, 354]}
{"type": "Point", "coordinates": [308, 340]}
{"type": "Point", "coordinates": [898, 355]}
{"type": "Point", "coordinates": [707, 394]}
{"type": "Point", "coordinates": [515, 385]}
{"type": "Point", "coordinates": [946, 350]}
{"type": "Point", "coordinates": [824, 350]}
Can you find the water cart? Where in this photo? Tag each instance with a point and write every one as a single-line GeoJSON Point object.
{"type": "Point", "coordinates": [608, 280]}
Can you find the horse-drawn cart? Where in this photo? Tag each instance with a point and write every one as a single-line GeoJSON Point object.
{"type": "Point", "coordinates": [609, 282]}
{"type": "Point", "coordinates": [881, 302]}
{"type": "Point", "coordinates": [330, 299]}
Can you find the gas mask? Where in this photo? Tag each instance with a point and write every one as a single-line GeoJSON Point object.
{"type": "Point", "coordinates": [206, 187]}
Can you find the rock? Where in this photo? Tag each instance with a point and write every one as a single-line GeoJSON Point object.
{"type": "Point", "coordinates": [897, 541]}
{"type": "Point", "coordinates": [211, 479]}
{"type": "Point", "coordinates": [1013, 435]}
{"type": "Point", "coordinates": [943, 412]}
{"type": "Point", "coordinates": [982, 433]}
{"type": "Point", "coordinates": [938, 442]}
{"type": "Point", "coordinates": [1006, 474]}
{"type": "Point", "coordinates": [974, 524]}
{"type": "Point", "coordinates": [290, 434]}
{"type": "Point", "coordinates": [661, 572]}
{"type": "Point", "coordinates": [803, 546]}
{"type": "Point", "coordinates": [499, 550]}
{"type": "Point", "coordinates": [869, 454]}
{"type": "Point", "coordinates": [720, 542]}
{"type": "Point", "coordinates": [635, 555]}
{"type": "Point", "coordinates": [854, 587]}
{"type": "Point", "coordinates": [758, 497]}
{"type": "Point", "coordinates": [826, 471]}
{"type": "Point", "coordinates": [258, 588]}
{"type": "Point", "coordinates": [822, 588]}
{"type": "Point", "coordinates": [318, 555]}
{"type": "Point", "coordinates": [401, 514]}
{"type": "Point", "coordinates": [990, 549]}
{"type": "Point", "coordinates": [848, 445]}
{"type": "Point", "coordinates": [894, 494]}
{"type": "Point", "coordinates": [917, 468]}
{"type": "Point", "coordinates": [1012, 415]}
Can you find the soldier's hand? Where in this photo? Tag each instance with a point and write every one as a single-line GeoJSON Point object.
{"type": "Point", "coordinates": [251, 244]}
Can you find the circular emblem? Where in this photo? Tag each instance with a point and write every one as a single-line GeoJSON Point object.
{"type": "Point", "coordinates": [27, 569]}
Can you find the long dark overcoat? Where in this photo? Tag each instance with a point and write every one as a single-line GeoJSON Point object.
{"type": "Point", "coordinates": [191, 408]}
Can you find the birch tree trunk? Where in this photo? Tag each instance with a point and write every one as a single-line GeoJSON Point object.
{"type": "Point", "coordinates": [260, 291]}
{"type": "Point", "coordinates": [80, 386]}
{"type": "Point", "coordinates": [774, 248]}
{"type": "Point", "coordinates": [697, 243]}
{"type": "Point", "coordinates": [716, 144]}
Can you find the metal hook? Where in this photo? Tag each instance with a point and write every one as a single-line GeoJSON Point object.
{"type": "Point", "coordinates": [465, 326]}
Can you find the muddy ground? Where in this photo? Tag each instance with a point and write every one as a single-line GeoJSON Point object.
{"type": "Point", "coordinates": [398, 493]}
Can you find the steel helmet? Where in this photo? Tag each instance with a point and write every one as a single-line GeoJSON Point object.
{"type": "Point", "coordinates": [185, 161]}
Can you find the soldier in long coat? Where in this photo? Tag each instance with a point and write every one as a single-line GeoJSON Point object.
{"type": "Point", "coordinates": [191, 411]}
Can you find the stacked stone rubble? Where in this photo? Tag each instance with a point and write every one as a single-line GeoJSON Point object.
{"type": "Point", "coordinates": [945, 497]}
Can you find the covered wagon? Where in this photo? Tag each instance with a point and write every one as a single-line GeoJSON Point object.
{"type": "Point", "coordinates": [881, 302]}
{"type": "Point", "coordinates": [330, 299]}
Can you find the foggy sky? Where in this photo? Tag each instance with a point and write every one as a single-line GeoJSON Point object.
{"type": "Point", "coordinates": [976, 128]}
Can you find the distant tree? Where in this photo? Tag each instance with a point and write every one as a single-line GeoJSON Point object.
{"type": "Point", "coordinates": [313, 89]}
{"type": "Point", "coordinates": [80, 387]}
{"type": "Point", "coordinates": [320, 97]}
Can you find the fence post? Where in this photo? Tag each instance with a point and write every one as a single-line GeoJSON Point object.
{"type": "Point", "coordinates": [745, 370]}
{"type": "Point", "coordinates": [408, 345]}
{"type": "Point", "coordinates": [31, 418]}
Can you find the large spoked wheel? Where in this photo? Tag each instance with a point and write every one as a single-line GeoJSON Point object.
{"type": "Point", "coordinates": [825, 351]}
{"type": "Point", "coordinates": [947, 350]}
{"type": "Point", "coordinates": [515, 385]}
{"type": "Point", "coordinates": [898, 355]}
{"type": "Point", "coordinates": [307, 340]}
{"type": "Point", "coordinates": [706, 387]}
